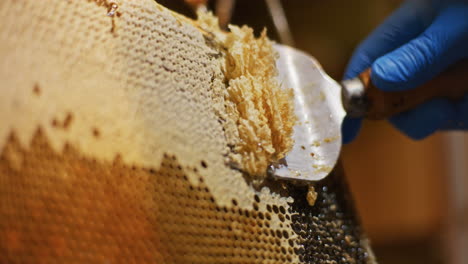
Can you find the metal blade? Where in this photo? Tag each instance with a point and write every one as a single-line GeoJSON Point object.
{"type": "Point", "coordinates": [319, 111]}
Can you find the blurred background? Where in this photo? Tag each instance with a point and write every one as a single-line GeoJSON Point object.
{"type": "Point", "coordinates": [411, 196]}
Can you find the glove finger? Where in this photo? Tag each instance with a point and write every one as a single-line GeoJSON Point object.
{"type": "Point", "coordinates": [442, 44]}
{"type": "Point", "coordinates": [424, 120]}
{"type": "Point", "coordinates": [350, 128]}
{"type": "Point", "coordinates": [406, 23]}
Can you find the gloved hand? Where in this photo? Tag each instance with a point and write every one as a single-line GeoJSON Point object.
{"type": "Point", "coordinates": [417, 42]}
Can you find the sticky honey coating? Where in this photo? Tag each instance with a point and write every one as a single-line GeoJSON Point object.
{"type": "Point", "coordinates": [311, 195]}
{"type": "Point", "coordinates": [56, 205]}
{"type": "Point", "coordinates": [262, 111]}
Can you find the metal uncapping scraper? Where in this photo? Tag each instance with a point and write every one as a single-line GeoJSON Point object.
{"type": "Point", "coordinates": [321, 104]}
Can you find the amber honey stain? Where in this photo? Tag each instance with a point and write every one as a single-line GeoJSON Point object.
{"type": "Point", "coordinates": [67, 121]}
{"type": "Point", "coordinates": [64, 124]}
{"type": "Point", "coordinates": [96, 133]}
{"type": "Point", "coordinates": [37, 89]}
{"type": "Point", "coordinates": [60, 206]}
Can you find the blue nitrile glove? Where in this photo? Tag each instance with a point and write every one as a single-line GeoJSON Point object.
{"type": "Point", "coordinates": [418, 41]}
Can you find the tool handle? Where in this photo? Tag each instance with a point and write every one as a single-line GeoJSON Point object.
{"type": "Point", "coordinates": [451, 84]}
